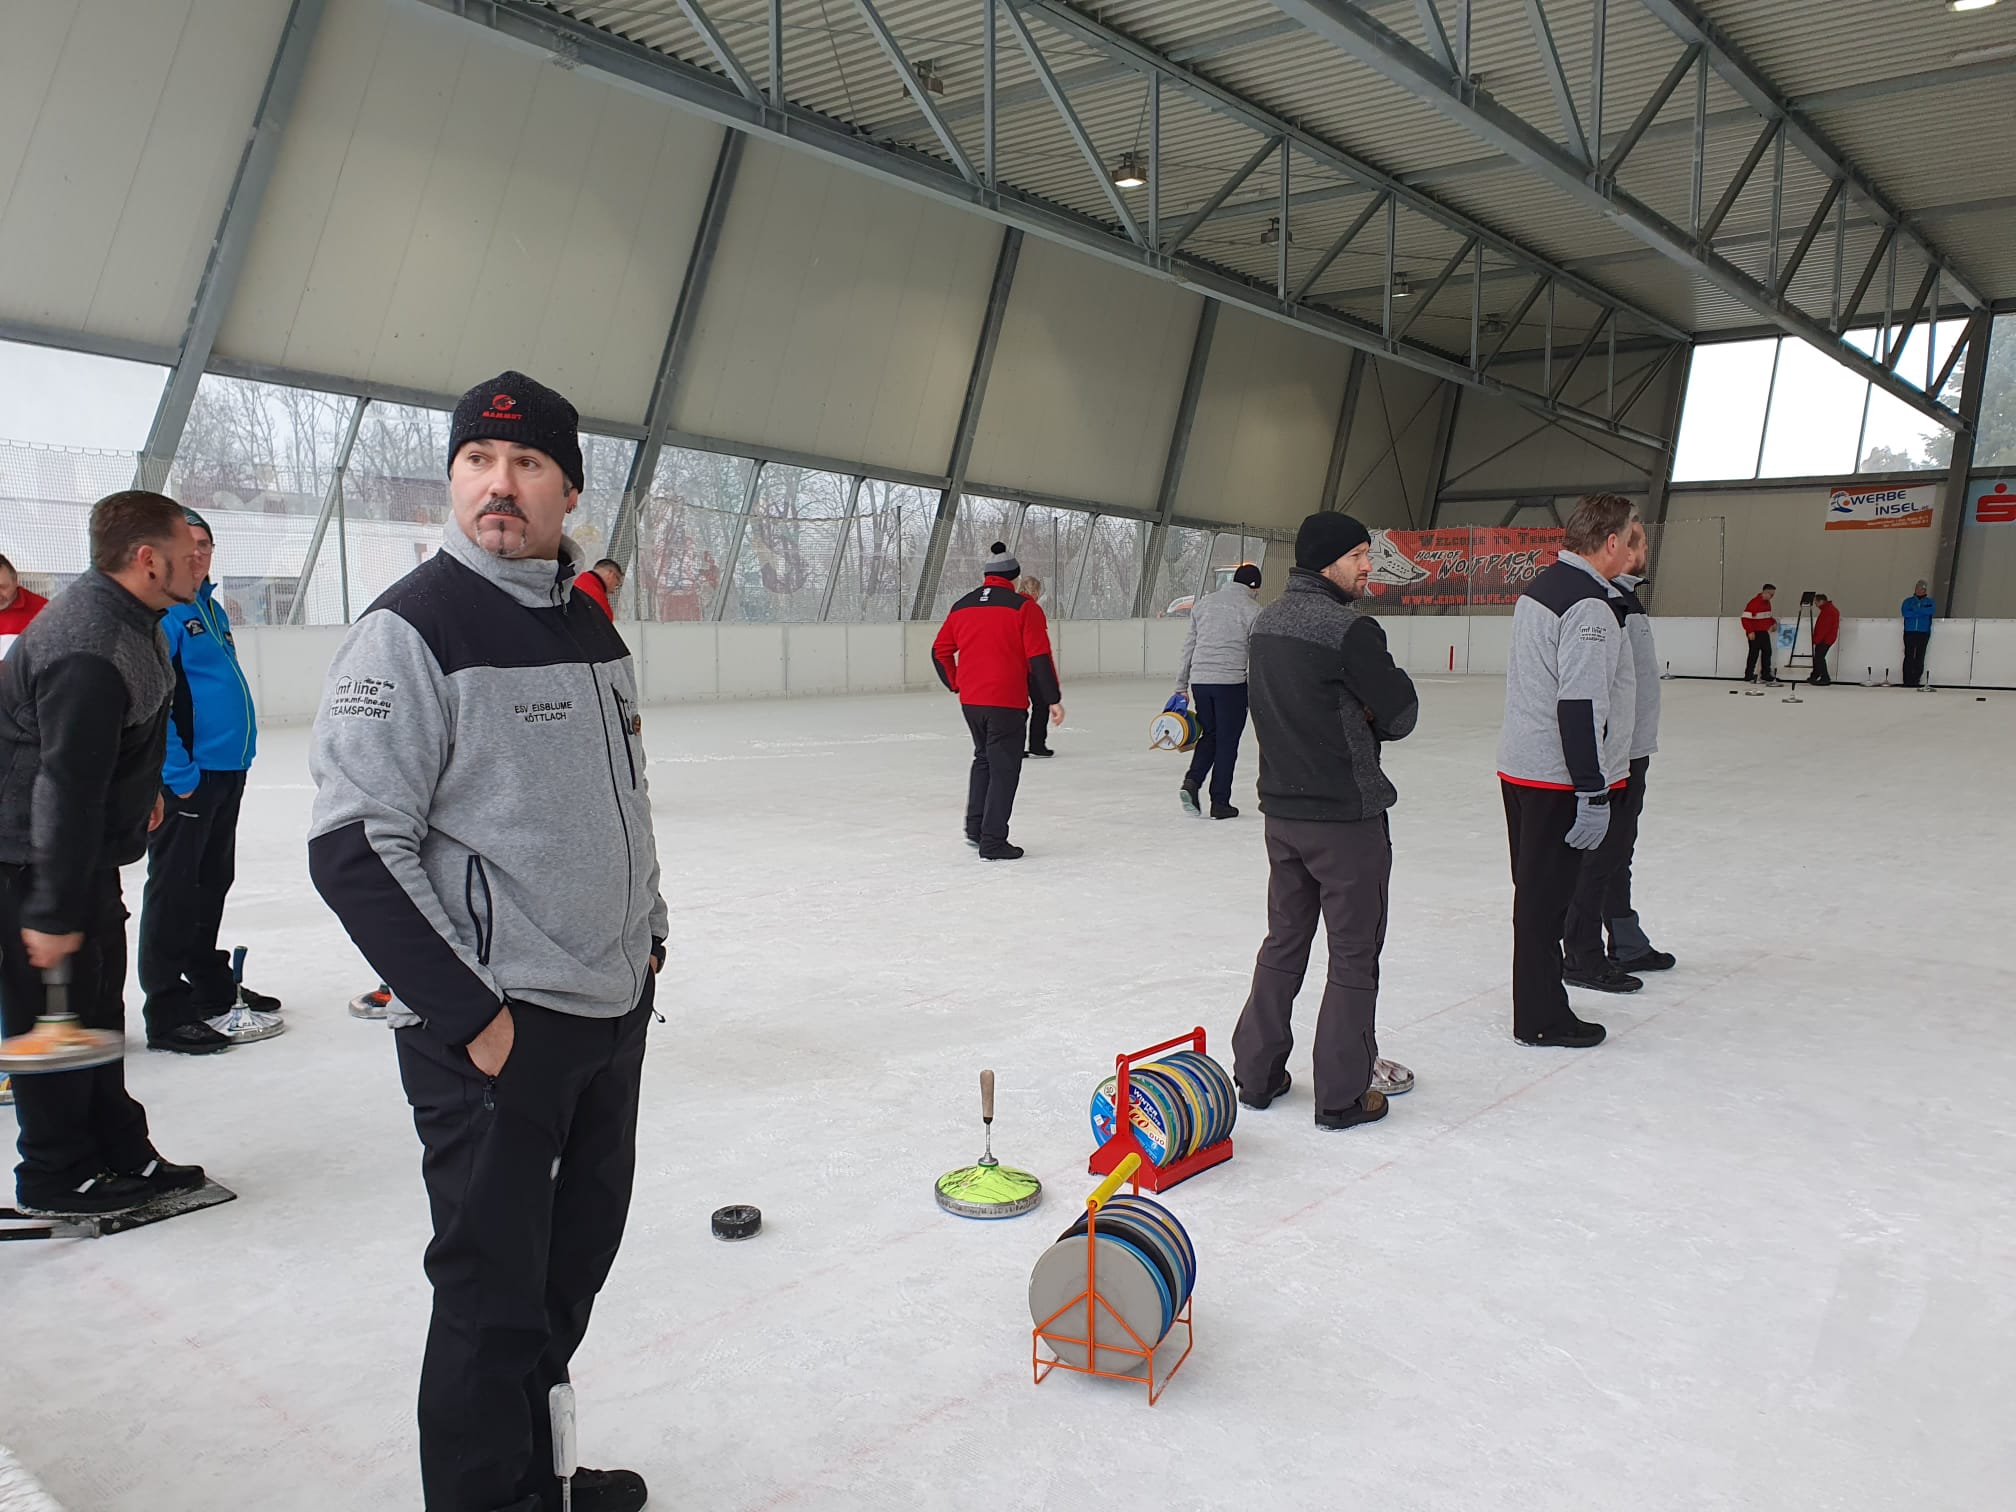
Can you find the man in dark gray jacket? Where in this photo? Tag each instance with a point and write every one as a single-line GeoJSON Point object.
{"type": "Point", "coordinates": [1326, 694]}
{"type": "Point", "coordinates": [483, 829]}
{"type": "Point", "coordinates": [1214, 672]}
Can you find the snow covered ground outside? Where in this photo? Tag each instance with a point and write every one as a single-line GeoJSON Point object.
{"type": "Point", "coordinates": [1758, 1251]}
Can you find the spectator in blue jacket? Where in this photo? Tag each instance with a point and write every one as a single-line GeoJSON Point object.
{"type": "Point", "coordinates": [192, 857]}
{"type": "Point", "coordinates": [1918, 612]}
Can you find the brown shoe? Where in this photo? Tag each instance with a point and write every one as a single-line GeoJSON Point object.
{"type": "Point", "coordinates": [1368, 1109]}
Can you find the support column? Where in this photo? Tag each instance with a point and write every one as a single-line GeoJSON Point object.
{"type": "Point", "coordinates": [234, 241]}
{"type": "Point", "coordinates": [1438, 459]}
{"type": "Point", "coordinates": [1953, 497]}
{"type": "Point", "coordinates": [678, 339]}
{"type": "Point", "coordinates": [1346, 413]}
{"type": "Point", "coordinates": [332, 500]}
{"type": "Point", "coordinates": [969, 422]}
{"type": "Point", "coordinates": [840, 549]}
{"type": "Point", "coordinates": [1659, 487]}
{"type": "Point", "coordinates": [734, 557]}
{"type": "Point", "coordinates": [1179, 450]}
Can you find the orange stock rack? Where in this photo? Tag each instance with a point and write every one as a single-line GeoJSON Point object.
{"type": "Point", "coordinates": [1126, 1171]}
{"type": "Point", "coordinates": [1106, 1159]}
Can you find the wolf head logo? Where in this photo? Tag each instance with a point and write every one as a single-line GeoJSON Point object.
{"type": "Point", "coordinates": [1390, 565]}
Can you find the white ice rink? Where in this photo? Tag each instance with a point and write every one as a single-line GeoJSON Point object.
{"type": "Point", "coordinates": [1757, 1251]}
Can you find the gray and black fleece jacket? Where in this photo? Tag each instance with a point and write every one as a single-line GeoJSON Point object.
{"type": "Point", "coordinates": [1644, 667]}
{"type": "Point", "coordinates": [482, 825]}
{"type": "Point", "coordinates": [1571, 685]}
{"type": "Point", "coordinates": [1221, 624]}
{"type": "Point", "coordinates": [1325, 694]}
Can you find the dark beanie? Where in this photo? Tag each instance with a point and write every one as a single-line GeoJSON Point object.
{"type": "Point", "coordinates": [1325, 537]}
{"type": "Point", "coordinates": [197, 522]}
{"type": "Point", "coordinates": [1247, 574]}
{"type": "Point", "coordinates": [512, 407]}
{"type": "Point", "coordinates": [1001, 562]}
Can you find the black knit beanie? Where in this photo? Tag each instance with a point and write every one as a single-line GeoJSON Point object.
{"type": "Point", "coordinates": [512, 407]}
{"type": "Point", "coordinates": [1247, 574]}
{"type": "Point", "coordinates": [1325, 537]}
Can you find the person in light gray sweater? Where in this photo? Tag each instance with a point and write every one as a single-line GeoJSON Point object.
{"type": "Point", "coordinates": [1214, 672]}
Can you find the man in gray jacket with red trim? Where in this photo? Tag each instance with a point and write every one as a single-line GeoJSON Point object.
{"type": "Point", "coordinates": [1570, 691]}
{"type": "Point", "coordinates": [483, 829]}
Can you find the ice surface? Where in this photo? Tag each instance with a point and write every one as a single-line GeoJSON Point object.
{"type": "Point", "coordinates": [1758, 1251]}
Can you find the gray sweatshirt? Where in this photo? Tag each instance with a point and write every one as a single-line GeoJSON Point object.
{"type": "Point", "coordinates": [1645, 669]}
{"type": "Point", "coordinates": [482, 825]}
{"type": "Point", "coordinates": [1570, 687]}
{"type": "Point", "coordinates": [1221, 624]}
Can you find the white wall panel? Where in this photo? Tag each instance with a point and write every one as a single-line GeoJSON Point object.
{"type": "Point", "coordinates": [840, 318]}
{"type": "Point", "coordinates": [1388, 453]}
{"type": "Point", "coordinates": [1266, 417]}
{"type": "Point", "coordinates": [1087, 380]}
{"type": "Point", "coordinates": [816, 658]}
{"type": "Point", "coordinates": [1984, 582]}
{"type": "Point", "coordinates": [121, 128]}
{"type": "Point", "coordinates": [447, 205]}
{"type": "Point", "coordinates": [1498, 445]}
{"type": "Point", "coordinates": [875, 656]}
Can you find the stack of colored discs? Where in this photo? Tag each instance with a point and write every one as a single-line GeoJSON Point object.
{"type": "Point", "coordinates": [1181, 1105]}
{"type": "Point", "coordinates": [1147, 1269]}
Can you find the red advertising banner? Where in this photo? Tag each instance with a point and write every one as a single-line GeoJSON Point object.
{"type": "Point", "coordinates": [1480, 565]}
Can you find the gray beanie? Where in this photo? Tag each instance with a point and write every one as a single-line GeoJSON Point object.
{"type": "Point", "coordinates": [1001, 562]}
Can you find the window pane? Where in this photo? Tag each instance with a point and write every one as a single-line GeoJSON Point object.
{"type": "Point", "coordinates": [1113, 569]}
{"type": "Point", "coordinates": [73, 399]}
{"type": "Point", "coordinates": [1816, 414]}
{"type": "Point", "coordinates": [788, 550]}
{"type": "Point", "coordinates": [1722, 418]}
{"type": "Point", "coordinates": [1180, 569]}
{"type": "Point", "coordinates": [685, 529]}
{"type": "Point", "coordinates": [46, 494]}
{"type": "Point", "coordinates": [1995, 446]}
{"type": "Point", "coordinates": [395, 497]}
{"type": "Point", "coordinates": [605, 468]}
{"type": "Point", "coordinates": [980, 523]}
{"type": "Point", "coordinates": [885, 550]}
{"type": "Point", "coordinates": [1051, 546]}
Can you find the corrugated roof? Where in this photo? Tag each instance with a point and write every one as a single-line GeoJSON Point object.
{"type": "Point", "coordinates": [1903, 142]}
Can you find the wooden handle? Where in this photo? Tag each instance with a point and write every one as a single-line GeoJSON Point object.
{"type": "Point", "coordinates": [1113, 1183]}
{"type": "Point", "coordinates": [986, 1097]}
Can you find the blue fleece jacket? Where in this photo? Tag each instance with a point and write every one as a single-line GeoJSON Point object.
{"type": "Point", "coordinates": [211, 725]}
{"type": "Point", "coordinates": [1918, 612]}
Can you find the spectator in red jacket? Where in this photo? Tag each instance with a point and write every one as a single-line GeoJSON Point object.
{"type": "Point", "coordinates": [1826, 631]}
{"type": "Point", "coordinates": [17, 604]}
{"type": "Point", "coordinates": [1031, 588]}
{"type": "Point", "coordinates": [994, 651]}
{"type": "Point", "coordinates": [602, 583]}
{"type": "Point", "coordinates": [1760, 624]}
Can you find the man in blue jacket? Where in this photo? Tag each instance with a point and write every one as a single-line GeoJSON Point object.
{"type": "Point", "coordinates": [1918, 612]}
{"type": "Point", "coordinates": [192, 858]}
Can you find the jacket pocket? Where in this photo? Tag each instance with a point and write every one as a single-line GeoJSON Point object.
{"type": "Point", "coordinates": [475, 885]}
{"type": "Point", "coordinates": [629, 725]}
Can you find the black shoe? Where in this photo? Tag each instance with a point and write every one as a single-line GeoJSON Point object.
{"type": "Point", "coordinates": [102, 1194]}
{"type": "Point", "coordinates": [1190, 804]}
{"type": "Point", "coordinates": [164, 1176]}
{"type": "Point", "coordinates": [1576, 1034]}
{"type": "Point", "coordinates": [608, 1491]}
{"type": "Point", "coordinates": [974, 841]}
{"type": "Point", "coordinates": [1275, 1096]}
{"type": "Point", "coordinates": [189, 1039]}
{"type": "Point", "coordinates": [258, 1002]}
{"type": "Point", "coordinates": [1652, 960]}
{"type": "Point", "coordinates": [1001, 853]}
{"type": "Point", "coordinates": [1606, 979]}
{"type": "Point", "coordinates": [1046, 751]}
{"type": "Point", "coordinates": [1223, 811]}
{"type": "Point", "coordinates": [1368, 1109]}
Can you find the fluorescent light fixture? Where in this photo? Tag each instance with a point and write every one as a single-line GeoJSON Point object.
{"type": "Point", "coordinates": [1963, 6]}
{"type": "Point", "coordinates": [1273, 232]}
{"type": "Point", "coordinates": [1129, 172]}
{"type": "Point", "coordinates": [928, 78]}
{"type": "Point", "coordinates": [1402, 289]}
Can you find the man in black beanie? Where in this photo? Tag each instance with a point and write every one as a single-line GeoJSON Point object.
{"type": "Point", "coordinates": [1325, 694]}
{"type": "Point", "coordinates": [482, 828]}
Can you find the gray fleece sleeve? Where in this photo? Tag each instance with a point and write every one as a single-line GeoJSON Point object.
{"type": "Point", "coordinates": [382, 740]}
{"type": "Point", "coordinates": [1189, 646]}
{"type": "Point", "coordinates": [1585, 662]}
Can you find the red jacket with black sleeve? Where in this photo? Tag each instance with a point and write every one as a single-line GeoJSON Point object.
{"type": "Point", "coordinates": [994, 649]}
{"type": "Point", "coordinates": [1757, 616]}
{"type": "Point", "coordinates": [1826, 625]}
{"type": "Point", "coordinates": [591, 584]}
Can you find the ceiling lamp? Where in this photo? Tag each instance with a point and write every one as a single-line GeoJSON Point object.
{"type": "Point", "coordinates": [1129, 173]}
{"type": "Point", "coordinates": [1960, 7]}
{"type": "Point", "coordinates": [1272, 234]}
{"type": "Point", "coordinates": [1494, 325]}
{"type": "Point", "coordinates": [1402, 289]}
{"type": "Point", "coordinates": [928, 78]}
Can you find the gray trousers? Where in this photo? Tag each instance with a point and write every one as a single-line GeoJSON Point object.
{"type": "Point", "coordinates": [1335, 872]}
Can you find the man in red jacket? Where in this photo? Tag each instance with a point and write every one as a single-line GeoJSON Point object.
{"type": "Point", "coordinates": [1760, 624]}
{"type": "Point", "coordinates": [993, 651]}
{"type": "Point", "coordinates": [602, 583]}
{"type": "Point", "coordinates": [17, 604]}
{"type": "Point", "coordinates": [1826, 631]}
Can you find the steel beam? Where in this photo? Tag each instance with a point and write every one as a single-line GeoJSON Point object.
{"type": "Point", "coordinates": [1675, 76]}
{"type": "Point", "coordinates": [1433, 33]}
{"type": "Point", "coordinates": [1179, 449]}
{"type": "Point", "coordinates": [1072, 124]}
{"type": "Point", "coordinates": [1557, 80]}
{"type": "Point", "coordinates": [332, 500]}
{"type": "Point", "coordinates": [734, 557]}
{"type": "Point", "coordinates": [1514, 320]}
{"type": "Point", "coordinates": [1337, 247]}
{"type": "Point", "coordinates": [1225, 189]}
{"type": "Point", "coordinates": [234, 240]}
{"type": "Point", "coordinates": [678, 340]}
{"type": "Point", "coordinates": [1422, 301]}
{"type": "Point", "coordinates": [1347, 412]}
{"type": "Point", "coordinates": [969, 421]}
{"type": "Point", "coordinates": [893, 51]}
{"type": "Point", "coordinates": [840, 549]}
{"type": "Point", "coordinates": [1806, 238]}
{"type": "Point", "coordinates": [1953, 500]}
{"type": "Point", "coordinates": [731, 65]}
{"type": "Point", "coordinates": [1438, 456]}
{"type": "Point", "coordinates": [1365, 38]}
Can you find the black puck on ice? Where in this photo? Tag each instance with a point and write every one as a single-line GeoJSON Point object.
{"type": "Point", "coordinates": [738, 1222]}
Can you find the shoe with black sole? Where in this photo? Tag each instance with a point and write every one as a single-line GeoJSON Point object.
{"type": "Point", "coordinates": [1657, 960]}
{"type": "Point", "coordinates": [1001, 853]}
{"type": "Point", "coordinates": [189, 1039]}
{"type": "Point", "coordinates": [607, 1491]}
{"type": "Point", "coordinates": [1275, 1096]}
{"type": "Point", "coordinates": [164, 1176]}
{"type": "Point", "coordinates": [1224, 811]}
{"type": "Point", "coordinates": [1368, 1109]}
{"type": "Point", "coordinates": [1045, 752]}
{"type": "Point", "coordinates": [1609, 979]}
{"type": "Point", "coordinates": [974, 841]}
{"type": "Point", "coordinates": [101, 1194]}
{"type": "Point", "coordinates": [1190, 804]}
{"type": "Point", "coordinates": [1576, 1034]}
{"type": "Point", "coordinates": [258, 1002]}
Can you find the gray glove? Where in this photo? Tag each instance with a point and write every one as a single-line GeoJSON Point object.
{"type": "Point", "coordinates": [1592, 821]}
